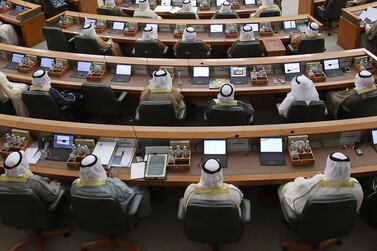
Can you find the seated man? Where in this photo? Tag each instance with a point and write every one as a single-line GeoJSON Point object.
{"type": "Point", "coordinates": [144, 10]}
{"type": "Point", "coordinates": [149, 34]}
{"type": "Point", "coordinates": [13, 92]}
{"type": "Point", "coordinates": [8, 34]}
{"type": "Point", "coordinates": [112, 4]}
{"type": "Point", "coordinates": [225, 8]}
{"type": "Point", "coordinates": [311, 32]}
{"type": "Point", "coordinates": [93, 180]}
{"type": "Point", "coordinates": [364, 82]}
{"type": "Point", "coordinates": [267, 6]}
{"type": "Point", "coordinates": [302, 89]}
{"type": "Point", "coordinates": [189, 35]}
{"type": "Point", "coordinates": [368, 39]}
{"type": "Point", "coordinates": [226, 98]}
{"type": "Point", "coordinates": [187, 8]}
{"type": "Point", "coordinates": [42, 82]}
{"type": "Point", "coordinates": [89, 31]}
{"type": "Point", "coordinates": [160, 88]}
{"type": "Point", "coordinates": [356, 2]}
{"type": "Point", "coordinates": [18, 175]}
{"type": "Point", "coordinates": [335, 180]}
{"type": "Point", "coordinates": [246, 34]}
{"type": "Point", "coordinates": [211, 186]}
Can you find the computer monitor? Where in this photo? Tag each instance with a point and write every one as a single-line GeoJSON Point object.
{"type": "Point", "coordinates": [201, 71]}
{"type": "Point", "coordinates": [123, 69]}
{"type": "Point", "coordinates": [289, 25]}
{"type": "Point", "coordinates": [219, 2]}
{"type": "Point", "coordinates": [16, 57]}
{"type": "Point", "coordinates": [292, 68]}
{"type": "Point", "coordinates": [166, 2]}
{"type": "Point", "coordinates": [331, 64]}
{"type": "Point", "coordinates": [238, 71]}
{"type": "Point", "coordinates": [83, 66]}
{"type": "Point", "coordinates": [154, 26]}
{"type": "Point", "coordinates": [90, 21]}
{"type": "Point", "coordinates": [214, 146]}
{"type": "Point", "coordinates": [63, 141]}
{"type": "Point", "coordinates": [118, 25]}
{"type": "Point", "coordinates": [214, 28]}
{"type": "Point", "coordinates": [271, 145]}
{"type": "Point", "coordinates": [249, 2]}
{"type": "Point", "coordinates": [47, 62]}
{"type": "Point", "coordinates": [254, 26]}
{"type": "Point", "coordinates": [18, 8]}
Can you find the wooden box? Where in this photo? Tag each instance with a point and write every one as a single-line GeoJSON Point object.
{"type": "Point", "coordinates": [266, 33]}
{"type": "Point", "coordinates": [318, 77]}
{"type": "Point", "coordinates": [5, 152]}
{"type": "Point", "coordinates": [231, 34]}
{"type": "Point", "coordinates": [260, 81]}
{"type": "Point", "coordinates": [369, 68]}
{"type": "Point", "coordinates": [204, 7]}
{"type": "Point", "coordinates": [95, 76]}
{"type": "Point", "coordinates": [65, 25]}
{"type": "Point", "coordinates": [58, 73]}
{"type": "Point", "coordinates": [100, 29]}
{"type": "Point", "coordinates": [235, 6]}
{"type": "Point", "coordinates": [27, 68]}
{"type": "Point", "coordinates": [74, 164]}
{"type": "Point", "coordinates": [130, 32]}
{"type": "Point", "coordinates": [304, 159]}
{"type": "Point", "coordinates": [181, 163]}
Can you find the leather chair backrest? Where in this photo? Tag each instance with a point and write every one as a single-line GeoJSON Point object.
{"type": "Point", "coordinates": [56, 40]}
{"type": "Point", "coordinates": [328, 217]}
{"type": "Point", "coordinates": [185, 15]}
{"type": "Point", "coordinates": [99, 99]}
{"type": "Point", "coordinates": [311, 45]}
{"type": "Point", "coordinates": [225, 15]}
{"type": "Point", "coordinates": [157, 113]}
{"type": "Point", "coordinates": [212, 222]}
{"type": "Point", "coordinates": [41, 105]}
{"type": "Point", "coordinates": [299, 111]}
{"type": "Point", "coordinates": [98, 213]}
{"type": "Point", "coordinates": [106, 11]}
{"type": "Point", "coordinates": [52, 7]}
{"type": "Point", "coordinates": [367, 106]}
{"type": "Point", "coordinates": [147, 49]}
{"type": "Point", "coordinates": [333, 9]}
{"type": "Point", "coordinates": [189, 49]}
{"type": "Point", "coordinates": [6, 107]}
{"type": "Point", "coordinates": [248, 49]}
{"type": "Point", "coordinates": [21, 208]}
{"type": "Point", "coordinates": [270, 14]}
{"type": "Point", "coordinates": [87, 45]}
{"type": "Point", "coordinates": [226, 116]}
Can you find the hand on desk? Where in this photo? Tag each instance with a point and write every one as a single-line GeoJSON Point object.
{"type": "Point", "coordinates": [113, 173]}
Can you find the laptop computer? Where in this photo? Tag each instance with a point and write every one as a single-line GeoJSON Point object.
{"type": "Point", "coordinates": [255, 27]}
{"type": "Point", "coordinates": [292, 70]}
{"type": "Point", "coordinates": [331, 67]}
{"type": "Point", "coordinates": [238, 75]}
{"type": "Point", "coordinates": [90, 21]}
{"type": "Point", "coordinates": [165, 2]}
{"type": "Point", "coordinates": [82, 70]}
{"type": "Point", "coordinates": [61, 147]}
{"type": "Point", "coordinates": [16, 59]}
{"type": "Point", "coordinates": [250, 4]}
{"type": "Point", "coordinates": [200, 75]}
{"type": "Point", "coordinates": [215, 149]}
{"type": "Point", "coordinates": [118, 28]}
{"type": "Point", "coordinates": [46, 63]}
{"type": "Point", "coordinates": [272, 152]}
{"type": "Point", "coordinates": [17, 9]}
{"type": "Point", "coordinates": [290, 27]}
{"type": "Point", "coordinates": [373, 133]}
{"type": "Point", "coordinates": [122, 73]}
{"type": "Point", "coordinates": [216, 30]}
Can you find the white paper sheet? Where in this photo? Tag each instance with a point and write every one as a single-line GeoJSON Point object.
{"type": "Point", "coordinates": [104, 151]}
{"type": "Point", "coordinates": [137, 170]}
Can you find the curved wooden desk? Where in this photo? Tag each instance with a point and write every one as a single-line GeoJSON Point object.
{"type": "Point", "coordinates": [138, 82]}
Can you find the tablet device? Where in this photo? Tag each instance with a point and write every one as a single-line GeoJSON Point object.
{"type": "Point", "coordinates": [289, 25]}
{"type": "Point", "coordinates": [156, 166]}
{"type": "Point", "coordinates": [47, 62]}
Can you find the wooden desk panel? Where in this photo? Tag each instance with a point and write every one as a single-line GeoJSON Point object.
{"type": "Point", "coordinates": [274, 47]}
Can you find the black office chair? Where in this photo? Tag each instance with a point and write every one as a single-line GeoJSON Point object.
{"type": "Point", "coordinates": [6, 107]}
{"type": "Point", "coordinates": [369, 206]}
{"type": "Point", "coordinates": [189, 49]}
{"type": "Point", "coordinates": [185, 15]}
{"type": "Point", "coordinates": [225, 15]}
{"type": "Point", "coordinates": [330, 11]}
{"type": "Point", "coordinates": [149, 49]}
{"type": "Point", "coordinates": [100, 102]}
{"type": "Point", "coordinates": [103, 214]}
{"type": "Point", "coordinates": [248, 49]}
{"type": "Point", "coordinates": [56, 40]}
{"type": "Point", "coordinates": [159, 113]}
{"type": "Point", "coordinates": [89, 46]}
{"type": "Point", "coordinates": [308, 45]}
{"type": "Point", "coordinates": [21, 208]}
{"type": "Point", "coordinates": [227, 116]}
{"type": "Point", "coordinates": [270, 14]}
{"type": "Point", "coordinates": [322, 219]}
{"type": "Point", "coordinates": [300, 111]}
{"type": "Point", "coordinates": [53, 7]}
{"type": "Point", "coordinates": [366, 107]}
{"type": "Point", "coordinates": [41, 105]}
{"type": "Point", "coordinates": [214, 222]}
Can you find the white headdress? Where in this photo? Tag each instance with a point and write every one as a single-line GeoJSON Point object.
{"type": "Point", "coordinates": [364, 79]}
{"type": "Point", "coordinates": [246, 33]}
{"type": "Point", "coordinates": [89, 30]}
{"type": "Point", "coordinates": [161, 80]}
{"type": "Point", "coordinates": [212, 175]}
{"type": "Point", "coordinates": [91, 169]}
{"type": "Point", "coordinates": [313, 29]}
{"type": "Point", "coordinates": [40, 78]}
{"type": "Point", "coordinates": [303, 88]}
{"type": "Point", "coordinates": [337, 167]}
{"type": "Point", "coordinates": [144, 5]}
{"type": "Point", "coordinates": [226, 94]}
{"type": "Point", "coordinates": [149, 33]}
{"type": "Point", "coordinates": [16, 165]}
{"type": "Point", "coordinates": [187, 6]}
{"type": "Point", "coordinates": [225, 6]}
{"type": "Point", "coordinates": [189, 34]}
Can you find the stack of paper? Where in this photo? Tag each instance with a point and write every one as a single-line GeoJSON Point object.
{"type": "Point", "coordinates": [137, 170]}
{"type": "Point", "coordinates": [123, 157]}
{"type": "Point", "coordinates": [104, 151]}
{"type": "Point", "coordinates": [369, 16]}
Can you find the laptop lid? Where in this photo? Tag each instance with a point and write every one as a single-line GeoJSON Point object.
{"type": "Point", "coordinates": [16, 58]}
{"type": "Point", "coordinates": [219, 2]}
{"type": "Point", "coordinates": [254, 26]}
{"type": "Point", "coordinates": [123, 69]}
{"type": "Point", "coordinates": [18, 8]}
{"type": "Point", "coordinates": [90, 21]}
{"type": "Point", "coordinates": [47, 62]}
{"type": "Point", "coordinates": [290, 68]}
{"type": "Point", "coordinates": [83, 66]}
{"type": "Point", "coordinates": [62, 141]}
{"type": "Point", "coordinates": [289, 25]}
{"type": "Point", "coordinates": [166, 2]}
{"type": "Point", "coordinates": [271, 145]}
{"type": "Point", "coordinates": [331, 64]}
{"type": "Point", "coordinates": [216, 28]}
{"type": "Point", "coordinates": [200, 71]}
{"type": "Point", "coordinates": [249, 2]}
{"type": "Point", "coordinates": [214, 147]}
{"type": "Point", "coordinates": [118, 25]}
{"type": "Point", "coordinates": [237, 71]}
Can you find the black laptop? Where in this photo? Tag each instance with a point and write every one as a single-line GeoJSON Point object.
{"type": "Point", "coordinates": [82, 70]}
{"type": "Point", "coordinates": [238, 75]}
{"type": "Point", "coordinates": [200, 75]}
{"type": "Point", "coordinates": [331, 67]}
{"type": "Point", "coordinates": [216, 30]}
{"type": "Point", "coordinates": [290, 27]}
{"type": "Point", "coordinates": [292, 70]}
{"type": "Point", "coordinates": [61, 147]}
{"type": "Point", "coordinates": [46, 63]}
{"type": "Point", "coordinates": [215, 149]}
{"type": "Point", "coordinates": [16, 59]}
{"type": "Point", "coordinates": [118, 28]}
{"type": "Point", "coordinates": [272, 151]}
{"type": "Point", "coordinates": [122, 73]}
{"type": "Point", "coordinates": [250, 4]}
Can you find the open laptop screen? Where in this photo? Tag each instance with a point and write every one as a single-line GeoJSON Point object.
{"type": "Point", "coordinates": [63, 141]}
{"type": "Point", "coordinates": [289, 25]}
{"type": "Point", "coordinates": [47, 62]}
{"type": "Point", "coordinates": [83, 66]}
{"type": "Point", "coordinates": [123, 69]}
{"type": "Point", "coordinates": [216, 28]}
{"type": "Point", "coordinates": [118, 25]}
{"type": "Point", "coordinates": [292, 68]}
{"type": "Point", "coordinates": [271, 145]}
{"type": "Point", "coordinates": [16, 58]}
{"type": "Point", "coordinates": [201, 71]}
{"type": "Point", "coordinates": [331, 64]}
{"type": "Point", "coordinates": [214, 146]}
{"type": "Point", "coordinates": [249, 1]}
{"type": "Point", "coordinates": [238, 71]}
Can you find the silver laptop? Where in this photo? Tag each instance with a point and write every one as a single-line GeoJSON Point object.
{"type": "Point", "coordinates": [272, 151]}
{"type": "Point", "coordinates": [122, 73]}
{"type": "Point", "coordinates": [216, 30]}
{"type": "Point", "coordinates": [16, 59]}
{"type": "Point", "coordinates": [292, 70]}
{"type": "Point", "coordinates": [118, 28]}
{"type": "Point", "coordinates": [250, 4]}
{"type": "Point", "coordinates": [82, 70]}
{"type": "Point", "coordinates": [332, 67]}
{"type": "Point", "coordinates": [200, 75]}
{"type": "Point", "coordinates": [46, 63]}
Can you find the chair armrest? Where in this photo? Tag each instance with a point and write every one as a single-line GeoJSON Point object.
{"type": "Point", "coordinates": [60, 197]}
{"type": "Point", "coordinates": [291, 50]}
{"type": "Point", "coordinates": [165, 51]}
{"type": "Point", "coordinates": [134, 204]}
{"type": "Point", "coordinates": [122, 97]}
{"type": "Point", "coordinates": [205, 116]}
{"type": "Point", "coordinates": [133, 52]}
{"type": "Point", "coordinates": [181, 210]}
{"type": "Point", "coordinates": [251, 119]}
{"type": "Point", "coordinates": [182, 114]}
{"type": "Point", "coordinates": [245, 211]}
{"type": "Point", "coordinates": [293, 217]}
{"type": "Point", "coordinates": [346, 109]}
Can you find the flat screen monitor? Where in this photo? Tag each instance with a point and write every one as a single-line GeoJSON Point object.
{"type": "Point", "coordinates": [292, 68]}
{"type": "Point", "coordinates": [214, 146]}
{"type": "Point", "coordinates": [331, 64]}
{"type": "Point", "coordinates": [47, 62]}
{"type": "Point", "coordinates": [83, 66]}
{"type": "Point", "coordinates": [238, 71]}
{"type": "Point", "coordinates": [118, 25]}
{"type": "Point", "coordinates": [16, 58]}
{"type": "Point", "coordinates": [201, 71]}
{"type": "Point", "coordinates": [123, 69]}
{"type": "Point", "coordinates": [271, 145]}
{"type": "Point", "coordinates": [289, 25]}
{"type": "Point", "coordinates": [63, 141]}
{"type": "Point", "coordinates": [214, 28]}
